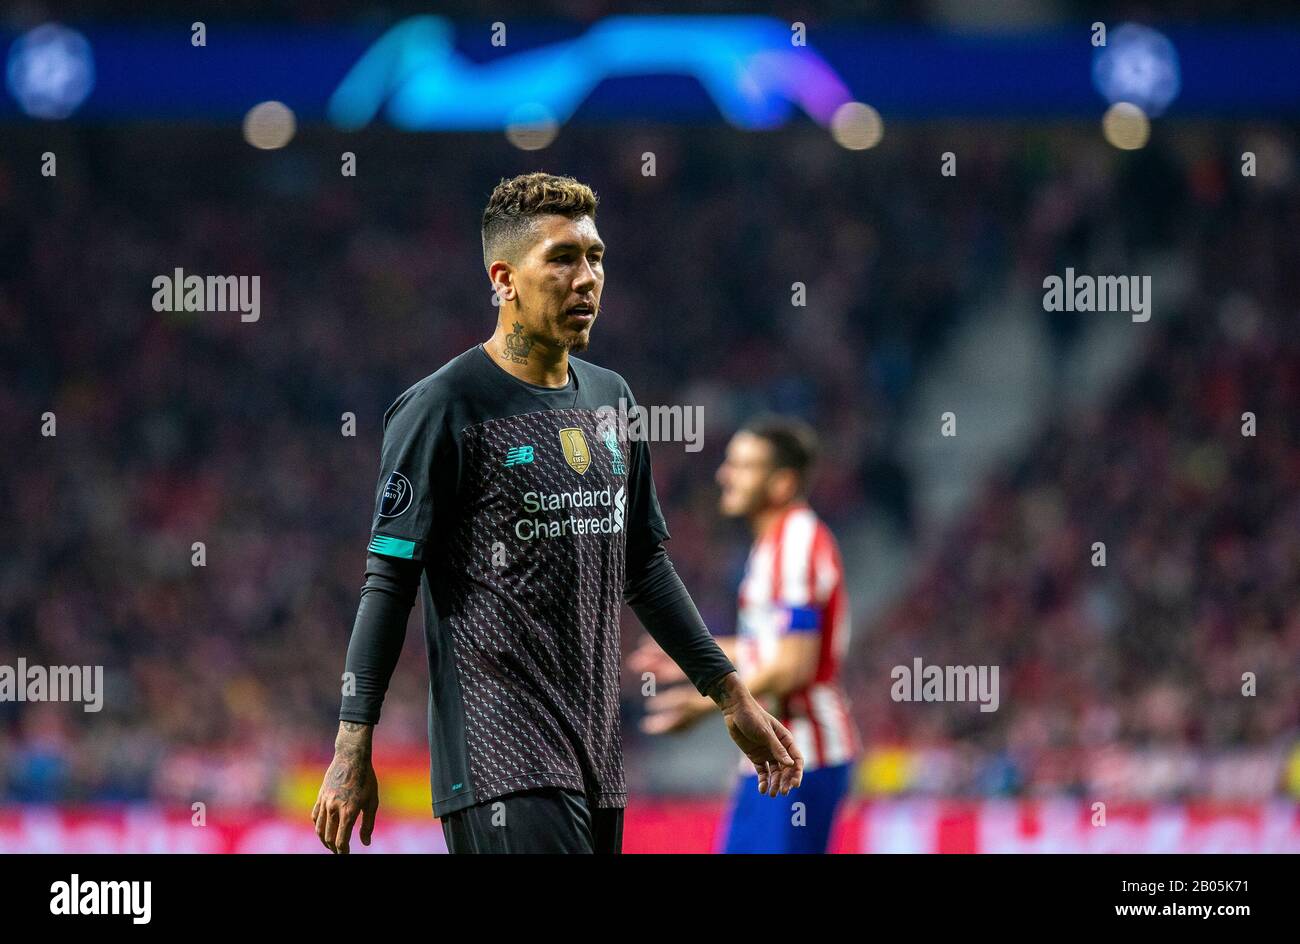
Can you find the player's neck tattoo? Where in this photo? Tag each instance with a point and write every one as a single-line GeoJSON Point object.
{"type": "Point", "coordinates": [517, 345]}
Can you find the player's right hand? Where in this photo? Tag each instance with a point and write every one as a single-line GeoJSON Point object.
{"type": "Point", "coordinates": [350, 789]}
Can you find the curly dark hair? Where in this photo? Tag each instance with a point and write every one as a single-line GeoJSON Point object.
{"type": "Point", "coordinates": [515, 203]}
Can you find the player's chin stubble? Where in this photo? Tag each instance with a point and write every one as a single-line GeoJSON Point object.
{"type": "Point", "coordinates": [574, 343]}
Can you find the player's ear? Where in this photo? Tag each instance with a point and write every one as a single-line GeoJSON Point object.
{"type": "Point", "coordinates": [785, 486]}
{"type": "Point", "coordinates": [503, 281]}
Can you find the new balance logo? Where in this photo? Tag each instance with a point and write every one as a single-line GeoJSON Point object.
{"type": "Point", "coordinates": [519, 455]}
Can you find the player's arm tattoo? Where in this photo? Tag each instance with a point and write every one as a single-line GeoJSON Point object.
{"type": "Point", "coordinates": [347, 775]}
{"type": "Point", "coordinates": [517, 345]}
{"type": "Point", "coordinates": [723, 690]}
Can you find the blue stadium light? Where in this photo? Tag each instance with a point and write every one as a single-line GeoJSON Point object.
{"type": "Point", "coordinates": [51, 71]}
{"type": "Point", "coordinates": [1139, 65]}
{"type": "Point", "coordinates": [747, 65]}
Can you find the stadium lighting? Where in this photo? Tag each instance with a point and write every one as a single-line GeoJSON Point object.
{"type": "Point", "coordinates": [51, 71]}
{"type": "Point", "coordinates": [1139, 65]}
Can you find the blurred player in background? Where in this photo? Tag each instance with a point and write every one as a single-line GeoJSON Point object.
{"type": "Point", "coordinates": [792, 632]}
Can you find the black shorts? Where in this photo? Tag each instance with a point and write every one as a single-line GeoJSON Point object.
{"type": "Point", "coordinates": [546, 821]}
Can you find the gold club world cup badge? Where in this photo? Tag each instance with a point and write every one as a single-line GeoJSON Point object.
{"type": "Point", "coordinates": [575, 449]}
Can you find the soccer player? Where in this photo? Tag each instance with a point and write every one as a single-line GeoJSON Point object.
{"type": "Point", "coordinates": [528, 519]}
{"type": "Point", "coordinates": [792, 632]}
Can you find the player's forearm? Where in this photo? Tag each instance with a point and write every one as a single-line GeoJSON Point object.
{"type": "Point", "coordinates": [660, 600]}
{"type": "Point", "coordinates": [728, 692]}
{"type": "Point", "coordinates": [354, 740]}
{"type": "Point", "coordinates": [377, 636]}
{"type": "Point", "coordinates": [769, 681]}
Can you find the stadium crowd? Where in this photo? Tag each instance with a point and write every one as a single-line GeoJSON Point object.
{"type": "Point", "coordinates": [177, 428]}
{"type": "Point", "coordinates": [1135, 575]}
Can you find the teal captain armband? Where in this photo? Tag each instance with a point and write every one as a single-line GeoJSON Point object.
{"type": "Point", "coordinates": [392, 547]}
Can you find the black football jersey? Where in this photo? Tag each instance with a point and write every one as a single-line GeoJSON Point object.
{"type": "Point", "coordinates": [521, 502]}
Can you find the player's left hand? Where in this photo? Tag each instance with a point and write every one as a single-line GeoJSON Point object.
{"type": "Point", "coordinates": [766, 741]}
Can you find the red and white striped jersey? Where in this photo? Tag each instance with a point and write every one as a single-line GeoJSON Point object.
{"type": "Point", "coordinates": [794, 583]}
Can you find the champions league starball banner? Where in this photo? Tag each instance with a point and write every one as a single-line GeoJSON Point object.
{"type": "Point", "coordinates": [430, 73]}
